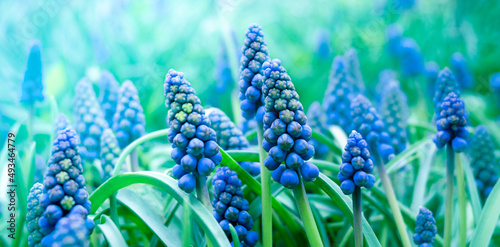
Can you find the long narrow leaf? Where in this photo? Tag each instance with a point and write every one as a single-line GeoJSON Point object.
{"type": "Point", "coordinates": [473, 192]}
{"type": "Point", "coordinates": [488, 219]}
{"type": "Point", "coordinates": [111, 232]}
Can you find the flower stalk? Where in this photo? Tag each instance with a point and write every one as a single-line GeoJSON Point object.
{"type": "Point", "coordinates": [265, 177]}
{"type": "Point", "coordinates": [306, 215]}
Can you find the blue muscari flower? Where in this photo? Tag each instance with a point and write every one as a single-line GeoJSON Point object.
{"type": "Point", "coordinates": [425, 229]}
{"type": "Point", "coordinates": [64, 191]}
{"type": "Point", "coordinates": [110, 151]}
{"type": "Point", "coordinates": [230, 207]}
{"type": "Point", "coordinates": [128, 122]}
{"type": "Point", "coordinates": [357, 165]}
{"type": "Point", "coordinates": [70, 231]}
{"type": "Point", "coordinates": [223, 77]}
{"type": "Point", "coordinates": [88, 119]}
{"type": "Point", "coordinates": [60, 123]}
{"type": "Point", "coordinates": [404, 4]}
{"type": "Point", "coordinates": [322, 43]}
{"type": "Point", "coordinates": [394, 34]}
{"type": "Point", "coordinates": [483, 160]}
{"type": "Point", "coordinates": [33, 215]}
{"type": "Point", "coordinates": [385, 78]}
{"type": "Point", "coordinates": [445, 84]}
{"type": "Point", "coordinates": [255, 53]}
{"type": "Point", "coordinates": [461, 70]}
{"type": "Point", "coordinates": [431, 74]}
{"type": "Point", "coordinates": [338, 96]}
{"type": "Point", "coordinates": [411, 59]}
{"type": "Point", "coordinates": [393, 110]}
{"type": "Point", "coordinates": [194, 143]}
{"type": "Point", "coordinates": [353, 69]}
{"type": "Point", "coordinates": [451, 124]}
{"type": "Point", "coordinates": [32, 87]}
{"type": "Point", "coordinates": [229, 137]}
{"type": "Point", "coordinates": [316, 119]}
{"type": "Point", "coordinates": [286, 133]}
{"type": "Point", "coordinates": [367, 122]}
{"type": "Point", "coordinates": [108, 95]}
{"type": "Point", "coordinates": [495, 82]}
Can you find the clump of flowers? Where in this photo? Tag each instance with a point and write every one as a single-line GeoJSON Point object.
{"type": "Point", "coordinates": [315, 117]}
{"type": "Point", "coordinates": [411, 59]}
{"type": "Point", "coordinates": [61, 122]}
{"type": "Point", "coordinates": [70, 231]}
{"type": "Point", "coordinates": [322, 43]}
{"type": "Point", "coordinates": [32, 87]}
{"type": "Point", "coordinates": [229, 137]}
{"type": "Point", "coordinates": [445, 84]}
{"type": "Point", "coordinates": [255, 53]}
{"type": "Point", "coordinates": [230, 207]}
{"type": "Point", "coordinates": [356, 165]}
{"type": "Point", "coordinates": [64, 191]}
{"type": "Point", "coordinates": [88, 119]}
{"type": "Point", "coordinates": [393, 110]}
{"type": "Point", "coordinates": [461, 70]}
{"type": "Point", "coordinates": [393, 34]}
{"type": "Point", "coordinates": [129, 121]}
{"type": "Point", "coordinates": [110, 151]}
{"type": "Point", "coordinates": [354, 70]}
{"type": "Point", "coordinates": [195, 149]}
{"type": "Point", "coordinates": [224, 79]}
{"type": "Point", "coordinates": [483, 160]}
{"type": "Point", "coordinates": [425, 229]}
{"type": "Point", "coordinates": [33, 215]}
{"type": "Point", "coordinates": [451, 124]}
{"type": "Point", "coordinates": [286, 133]}
{"type": "Point", "coordinates": [108, 95]}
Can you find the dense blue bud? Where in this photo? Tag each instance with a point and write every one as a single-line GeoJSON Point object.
{"type": "Point", "coordinates": [461, 70]}
{"type": "Point", "coordinates": [393, 109]}
{"type": "Point", "coordinates": [110, 151]}
{"type": "Point", "coordinates": [61, 122]}
{"type": "Point", "coordinates": [317, 121]}
{"type": "Point", "coordinates": [286, 139]}
{"type": "Point", "coordinates": [254, 54]}
{"type": "Point", "coordinates": [230, 137]}
{"type": "Point", "coordinates": [230, 207]}
{"type": "Point", "coordinates": [357, 165]}
{"type": "Point", "coordinates": [70, 231]}
{"type": "Point", "coordinates": [483, 160]}
{"type": "Point", "coordinates": [108, 95]}
{"type": "Point", "coordinates": [129, 121]}
{"type": "Point", "coordinates": [34, 212]}
{"type": "Point", "coordinates": [194, 147]}
{"type": "Point", "coordinates": [451, 124]}
{"type": "Point", "coordinates": [425, 229]}
{"type": "Point", "coordinates": [32, 87]}
{"type": "Point", "coordinates": [88, 118]}
{"type": "Point", "coordinates": [445, 84]}
{"type": "Point", "coordinates": [64, 185]}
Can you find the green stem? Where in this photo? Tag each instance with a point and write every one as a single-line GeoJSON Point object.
{"type": "Point", "coordinates": [358, 230]}
{"type": "Point", "coordinates": [134, 161]}
{"type": "Point", "coordinates": [202, 191]}
{"type": "Point", "coordinates": [462, 203]}
{"type": "Point", "coordinates": [31, 119]}
{"type": "Point", "coordinates": [187, 230]}
{"type": "Point", "coordinates": [113, 207]}
{"type": "Point", "coordinates": [448, 216]}
{"type": "Point", "coordinates": [265, 177]}
{"type": "Point", "coordinates": [306, 215]}
{"type": "Point", "coordinates": [391, 198]}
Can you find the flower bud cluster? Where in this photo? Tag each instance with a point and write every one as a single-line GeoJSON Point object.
{"type": "Point", "coordinates": [425, 229]}
{"type": "Point", "coordinates": [108, 95]}
{"type": "Point", "coordinates": [483, 160]}
{"type": "Point", "coordinates": [451, 124]}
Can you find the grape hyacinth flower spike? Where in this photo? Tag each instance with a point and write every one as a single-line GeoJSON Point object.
{"type": "Point", "coordinates": [393, 110]}
{"type": "Point", "coordinates": [194, 144]}
{"type": "Point", "coordinates": [425, 229]}
{"type": "Point", "coordinates": [229, 137]}
{"type": "Point", "coordinates": [110, 151]}
{"type": "Point", "coordinates": [70, 231]}
{"type": "Point", "coordinates": [461, 70]}
{"type": "Point", "coordinates": [64, 191]}
{"type": "Point", "coordinates": [315, 117]}
{"type": "Point", "coordinates": [411, 59]}
{"type": "Point", "coordinates": [32, 86]}
{"type": "Point", "coordinates": [483, 160]}
{"type": "Point", "coordinates": [322, 42]}
{"type": "Point", "coordinates": [230, 207]}
{"type": "Point", "coordinates": [445, 84]}
{"type": "Point", "coordinates": [354, 70]}
{"type": "Point", "coordinates": [108, 95]}
{"type": "Point", "coordinates": [255, 53]}
{"type": "Point", "coordinates": [129, 121]}
{"type": "Point", "coordinates": [452, 124]}
{"type": "Point", "coordinates": [33, 215]}
{"type": "Point", "coordinates": [60, 123]}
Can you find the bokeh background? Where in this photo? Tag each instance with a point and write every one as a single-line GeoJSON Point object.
{"type": "Point", "coordinates": [142, 40]}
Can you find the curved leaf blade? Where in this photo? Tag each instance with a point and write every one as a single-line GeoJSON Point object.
{"type": "Point", "coordinates": [488, 219]}
{"type": "Point", "coordinates": [111, 232]}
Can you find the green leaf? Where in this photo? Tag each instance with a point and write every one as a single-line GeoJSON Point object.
{"type": "Point", "coordinates": [345, 205]}
{"type": "Point", "coordinates": [420, 186]}
{"type": "Point", "coordinates": [234, 236]}
{"type": "Point", "coordinates": [401, 159]}
{"type": "Point", "coordinates": [54, 111]}
{"type": "Point", "coordinates": [167, 184]}
{"type": "Point", "coordinates": [111, 232]}
{"type": "Point", "coordinates": [473, 192]}
{"type": "Point", "coordinates": [488, 219]}
{"type": "Point", "coordinates": [187, 230]}
{"type": "Point", "coordinates": [30, 165]}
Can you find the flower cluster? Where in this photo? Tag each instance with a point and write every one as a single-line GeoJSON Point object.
{"type": "Point", "coordinates": [322, 43]}
{"type": "Point", "coordinates": [70, 231]}
{"type": "Point", "coordinates": [356, 165]}
{"type": "Point", "coordinates": [461, 70]}
{"type": "Point", "coordinates": [255, 53]}
{"type": "Point", "coordinates": [354, 70]}
{"type": "Point", "coordinates": [230, 207]}
{"type": "Point", "coordinates": [393, 34]}
{"type": "Point", "coordinates": [195, 149]}
{"type": "Point", "coordinates": [393, 110]}
{"type": "Point", "coordinates": [425, 229]}
{"type": "Point", "coordinates": [367, 122]}
{"type": "Point", "coordinates": [224, 79]}
{"type": "Point", "coordinates": [483, 160]}
{"type": "Point", "coordinates": [386, 78]}
{"type": "Point", "coordinates": [229, 137]}
{"type": "Point", "coordinates": [110, 151]}
{"type": "Point", "coordinates": [32, 87]}
{"type": "Point", "coordinates": [108, 95]}
{"type": "Point", "coordinates": [64, 191]}
{"type": "Point", "coordinates": [60, 123]}
{"type": "Point", "coordinates": [88, 119]}
{"type": "Point", "coordinates": [33, 215]}
{"type": "Point", "coordinates": [129, 121]}
{"type": "Point", "coordinates": [445, 84]}
{"type": "Point", "coordinates": [405, 50]}
{"type": "Point", "coordinates": [451, 124]}
{"type": "Point", "coordinates": [338, 95]}
{"type": "Point", "coordinates": [316, 120]}
{"type": "Point", "coordinates": [286, 133]}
